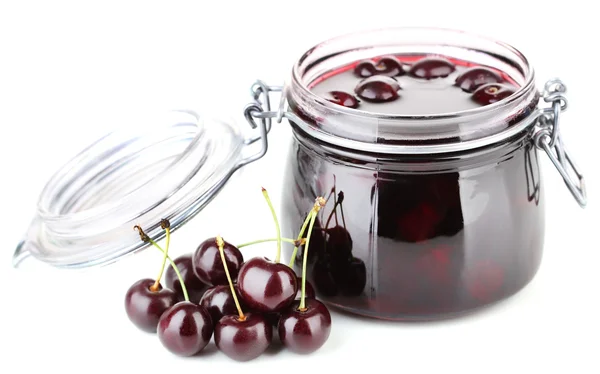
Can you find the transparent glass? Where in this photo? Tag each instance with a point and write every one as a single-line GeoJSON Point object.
{"type": "Point", "coordinates": [164, 165]}
{"type": "Point", "coordinates": [441, 214]}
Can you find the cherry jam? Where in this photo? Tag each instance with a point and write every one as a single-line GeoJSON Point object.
{"type": "Point", "coordinates": [421, 236]}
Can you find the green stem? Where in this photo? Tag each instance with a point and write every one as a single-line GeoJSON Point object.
{"type": "Point", "coordinates": [313, 217]}
{"type": "Point", "coordinates": [277, 228]}
{"type": "Point", "coordinates": [287, 240]}
{"type": "Point", "coordinates": [306, 221]}
{"type": "Point", "coordinates": [164, 261]}
{"type": "Point", "coordinates": [174, 266]}
{"type": "Point", "coordinates": [220, 244]}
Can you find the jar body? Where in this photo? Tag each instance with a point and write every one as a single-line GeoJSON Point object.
{"type": "Point", "coordinates": [422, 238]}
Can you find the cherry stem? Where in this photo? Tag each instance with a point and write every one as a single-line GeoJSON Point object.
{"type": "Point", "coordinates": [342, 209]}
{"type": "Point", "coordinates": [173, 265]}
{"type": "Point", "coordinates": [220, 244]}
{"type": "Point", "coordinates": [278, 255]}
{"type": "Point", "coordinates": [164, 224]}
{"type": "Point", "coordinates": [313, 217]}
{"type": "Point", "coordinates": [295, 252]}
{"type": "Point", "coordinates": [287, 240]}
{"type": "Point", "coordinates": [331, 215]}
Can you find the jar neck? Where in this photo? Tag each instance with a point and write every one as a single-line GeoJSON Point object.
{"type": "Point", "coordinates": [409, 134]}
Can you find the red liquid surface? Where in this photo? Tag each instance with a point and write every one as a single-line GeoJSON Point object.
{"type": "Point", "coordinates": [415, 245]}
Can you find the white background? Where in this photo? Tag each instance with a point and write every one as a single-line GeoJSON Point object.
{"type": "Point", "coordinates": [66, 68]}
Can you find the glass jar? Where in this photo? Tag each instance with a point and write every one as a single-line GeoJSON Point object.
{"type": "Point", "coordinates": [439, 214]}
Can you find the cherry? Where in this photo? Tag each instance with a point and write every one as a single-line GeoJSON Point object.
{"type": "Point", "coordinates": [185, 328]}
{"type": "Point", "coordinates": [378, 89]}
{"type": "Point", "coordinates": [219, 302]}
{"type": "Point", "coordinates": [145, 306]}
{"type": "Point", "coordinates": [267, 286]}
{"type": "Point", "coordinates": [365, 69]}
{"type": "Point", "coordinates": [195, 286]}
{"type": "Point", "coordinates": [243, 339]}
{"type": "Point", "coordinates": [475, 77]}
{"type": "Point", "coordinates": [304, 330]}
{"type": "Point", "coordinates": [343, 99]}
{"type": "Point", "coordinates": [207, 264]}
{"type": "Point", "coordinates": [432, 67]}
{"type": "Point", "coordinates": [387, 65]}
{"type": "Point", "coordinates": [491, 93]}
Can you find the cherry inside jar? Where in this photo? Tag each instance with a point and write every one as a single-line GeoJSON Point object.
{"type": "Point", "coordinates": [434, 193]}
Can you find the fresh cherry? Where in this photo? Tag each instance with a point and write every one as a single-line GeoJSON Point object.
{"type": "Point", "coordinates": [309, 291]}
{"type": "Point", "coordinates": [475, 77]}
{"type": "Point", "coordinates": [144, 306]}
{"type": "Point", "coordinates": [185, 328]}
{"type": "Point", "coordinates": [432, 67]}
{"type": "Point", "coordinates": [378, 89]}
{"type": "Point", "coordinates": [243, 339]}
{"type": "Point", "coordinates": [208, 266]}
{"type": "Point", "coordinates": [343, 99]}
{"type": "Point", "coordinates": [265, 285]}
{"type": "Point", "coordinates": [219, 302]}
{"type": "Point", "coordinates": [491, 93]}
{"type": "Point", "coordinates": [195, 287]}
{"type": "Point", "coordinates": [305, 330]}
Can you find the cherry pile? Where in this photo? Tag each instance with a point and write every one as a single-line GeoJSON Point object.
{"type": "Point", "coordinates": [382, 80]}
{"type": "Point", "coordinates": [215, 293]}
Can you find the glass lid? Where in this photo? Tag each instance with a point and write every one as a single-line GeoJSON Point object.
{"type": "Point", "coordinates": [165, 165]}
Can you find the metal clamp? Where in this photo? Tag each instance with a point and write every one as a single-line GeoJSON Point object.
{"type": "Point", "coordinates": [258, 114]}
{"type": "Point", "coordinates": [547, 137]}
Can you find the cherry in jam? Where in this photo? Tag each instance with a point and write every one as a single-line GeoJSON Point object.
{"type": "Point", "coordinates": [414, 86]}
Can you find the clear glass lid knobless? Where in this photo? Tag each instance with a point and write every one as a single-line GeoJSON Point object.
{"type": "Point", "coordinates": [166, 165]}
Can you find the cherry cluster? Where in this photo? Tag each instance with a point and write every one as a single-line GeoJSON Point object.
{"type": "Point", "coordinates": [379, 84]}
{"type": "Point", "coordinates": [242, 303]}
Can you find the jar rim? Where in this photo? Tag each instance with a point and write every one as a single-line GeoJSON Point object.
{"type": "Point", "coordinates": [450, 124]}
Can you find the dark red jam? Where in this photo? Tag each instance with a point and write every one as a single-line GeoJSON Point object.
{"type": "Point", "coordinates": [414, 85]}
{"type": "Point", "coordinates": [397, 243]}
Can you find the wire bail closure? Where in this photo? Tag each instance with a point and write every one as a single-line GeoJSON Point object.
{"type": "Point", "coordinates": [547, 137]}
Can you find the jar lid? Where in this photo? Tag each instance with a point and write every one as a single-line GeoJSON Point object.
{"type": "Point", "coordinates": [165, 165]}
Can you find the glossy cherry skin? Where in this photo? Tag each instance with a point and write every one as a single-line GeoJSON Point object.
{"type": "Point", "coordinates": [195, 287]}
{"type": "Point", "coordinates": [243, 340]}
{"type": "Point", "coordinates": [267, 286]}
{"type": "Point", "coordinates": [491, 93]}
{"type": "Point", "coordinates": [219, 302]}
{"type": "Point", "coordinates": [185, 328]}
{"type": "Point", "coordinates": [378, 89]}
{"type": "Point", "coordinates": [309, 292]}
{"type": "Point", "coordinates": [475, 77]}
{"type": "Point", "coordinates": [305, 331]}
{"type": "Point", "coordinates": [343, 99]}
{"type": "Point", "coordinates": [386, 65]}
{"type": "Point", "coordinates": [390, 66]}
{"type": "Point", "coordinates": [145, 307]}
{"type": "Point", "coordinates": [208, 266]}
{"type": "Point", "coordinates": [431, 68]}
